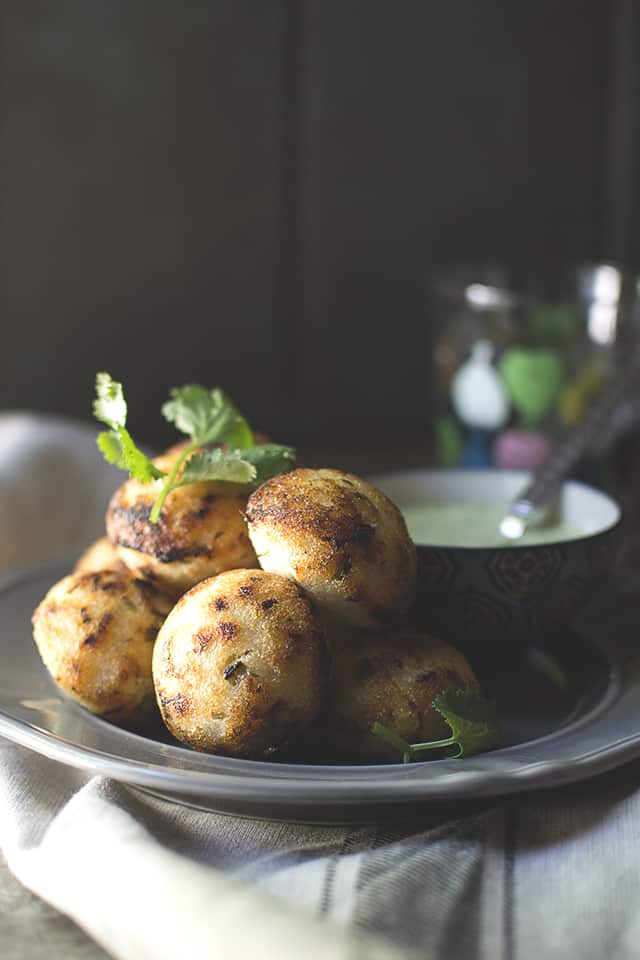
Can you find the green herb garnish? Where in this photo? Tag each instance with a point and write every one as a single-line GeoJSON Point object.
{"type": "Point", "coordinates": [472, 719]}
{"type": "Point", "coordinates": [117, 444]}
{"type": "Point", "coordinates": [208, 417]}
{"type": "Point", "coordinates": [268, 460]}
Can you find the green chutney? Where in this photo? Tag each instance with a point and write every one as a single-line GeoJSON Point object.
{"type": "Point", "coordinates": [452, 523]}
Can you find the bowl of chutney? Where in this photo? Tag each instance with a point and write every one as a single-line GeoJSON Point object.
{"type": "Point", "coordinates": [474, 586]}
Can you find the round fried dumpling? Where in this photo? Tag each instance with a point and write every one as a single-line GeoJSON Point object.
{"type": "Point", "coordinates": [101, 555]}
{"type": "Point", "coordinates": [240, 664]}
{"type": "Point", "coordinates": [392, 678]}
{"type": "Point", "coordinates": [341, 538]}
{"type": "Point", "coordinates": [200, 531]}
{"type": "Point", "coordinates": [95, 633]}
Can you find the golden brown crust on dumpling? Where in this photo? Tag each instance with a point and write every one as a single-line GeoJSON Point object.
{"type": "Point", "coordinates": [101, 555]}
{"type": "Point", "coordinates": [240, 664]}
{"type": "Point", "coordinates": [95, 633]}
{"type": "Point", "coordinates": [341, 538]}
{"type": "Point", "coordinates": [390, 677]}
{"type": "Point", "coordinates": [200, 531]}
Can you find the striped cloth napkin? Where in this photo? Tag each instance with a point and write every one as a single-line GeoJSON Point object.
{"type": "Point", "coordinates": [547, 875]}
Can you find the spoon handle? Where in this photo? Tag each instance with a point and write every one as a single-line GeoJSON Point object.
{"type": "Point", "coordinates": [530, 504]}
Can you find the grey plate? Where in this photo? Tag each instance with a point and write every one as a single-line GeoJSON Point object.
{"type": "Point", "coordinates": [555, 736]}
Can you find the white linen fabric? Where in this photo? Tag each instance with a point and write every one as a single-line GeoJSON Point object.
{"type": "Point", "coordinates": [550, 875]}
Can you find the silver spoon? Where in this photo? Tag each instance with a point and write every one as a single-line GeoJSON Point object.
{"type": "Point", "coordinates": [531, 505]}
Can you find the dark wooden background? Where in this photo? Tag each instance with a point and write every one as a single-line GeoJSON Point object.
{"type": "Point", "coordinates": [257, 193]}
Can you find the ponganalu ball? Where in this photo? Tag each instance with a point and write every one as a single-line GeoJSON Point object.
{"type": "Point", "coordinates": [101, 555]}
{"type": "Point", "coordinates": [390, 677]}
{"type": "Point", "coordinates": [240, 664]}
{"type": "Point", "coordinates": [200, 532]}
{"type": "Point", "coordinates": [95, 633]}
{"type": "Point", "coordinates": [341, 538]}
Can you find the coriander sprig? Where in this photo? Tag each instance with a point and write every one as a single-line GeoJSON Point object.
{"type": "Point", "coordinates": [207, 417]}
{"type": "Point", "coordinates": [472, 719]}
{"type": "Point", "coordinates": [117, 444]}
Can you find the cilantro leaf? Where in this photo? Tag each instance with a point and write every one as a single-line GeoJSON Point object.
{"type": "Point", "coordinates": [109, 445]}
{"type": "Point", "coordinates": [472, 718]}
{"type": "Point", "coordinates": [109, 405]}
{"type": "Point", "coordinates": [117, 447]}
{"type": "Point", "coordinates": [217, 465]}
{"type": "Point", "coordinates": [116, 444]}
{"type": "Point", "coordinates": [269, 459]}
{"type": "Point", "coordinates": [207, 416]}
{"type": "Point", "coordinates": [252, 466]}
